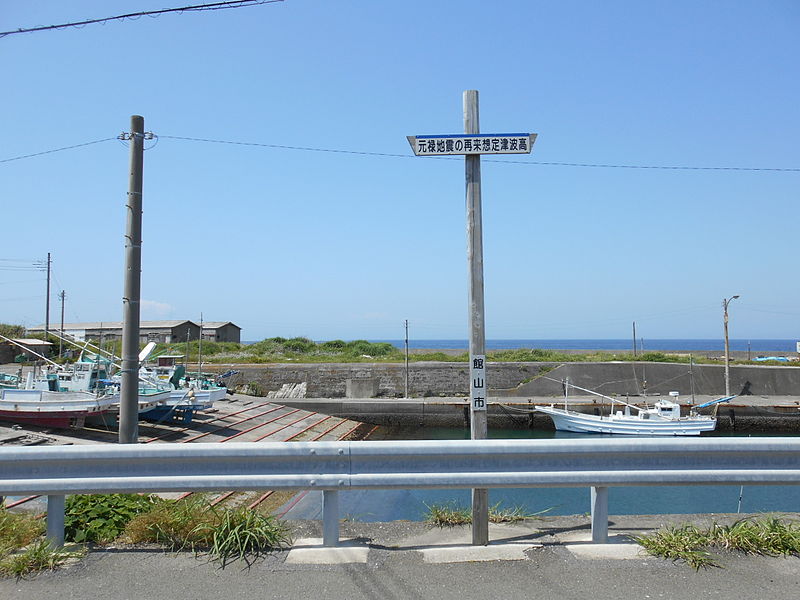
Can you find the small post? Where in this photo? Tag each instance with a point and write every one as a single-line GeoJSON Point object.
{"type": "Point", "coordinates": [406, 323]}
{"type": "Point", "coordinates": [129, 387]}
{"type": "Point", "coordinates": [330, 518]}
{"type": "Point", "coordinates": [55, 520]}
{"type": "Point", "coordinates": [599, 515]}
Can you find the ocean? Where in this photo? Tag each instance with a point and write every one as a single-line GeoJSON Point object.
{"type": "Point", "coordinates": [699, 345]}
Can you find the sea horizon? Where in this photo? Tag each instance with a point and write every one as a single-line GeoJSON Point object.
{"type": "Point", "coordinates": [698, 345]}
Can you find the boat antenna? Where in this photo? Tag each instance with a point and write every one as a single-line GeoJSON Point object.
{"type": "Point", "coordinates": [593, 392]}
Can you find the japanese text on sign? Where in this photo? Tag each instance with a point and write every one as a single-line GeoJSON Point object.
{"type": "Point", "coordinates": [477, 384]}
{"type": "Point", "coordinates": [479, 143]}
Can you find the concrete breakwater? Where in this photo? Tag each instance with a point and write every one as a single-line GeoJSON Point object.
{"type": "Point", "coordinates": [446, 379]}
{"type": "Point", "coordinates": [769, 397]}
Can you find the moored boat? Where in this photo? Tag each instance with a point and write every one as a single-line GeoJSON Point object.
{"type": "Point", "coordinates": [663, 418]}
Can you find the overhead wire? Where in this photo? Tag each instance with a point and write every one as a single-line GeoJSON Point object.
{"type": "Point", "coordinates": [149, 13]}
{"type": "Point", "coordinates": [520, 162]}
{"type": "Point", "coordinates": [5, 160]}
{"type": "Point", "coordinates": [394, 155]}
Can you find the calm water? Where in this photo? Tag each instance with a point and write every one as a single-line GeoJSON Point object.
{"type": "Point", "coordinates": [623, 345]}
{"type": "Point", "coordinates": [389, 505]}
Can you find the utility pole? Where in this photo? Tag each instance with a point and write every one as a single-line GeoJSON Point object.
{"type": "Point", "coordinates": [129, 388]}
{"type": "Point", "coordinates": [200, 353]}
{"type": "Point", "coordinates": [47, 302]}
{"type": "Point", "coordinates": [61, 296]}
{"type": "Point", "coordinates": [406, 324]}
{"type": "Point", "coordinates": [477, 338]}
{"type": "Point", "coordinates": [472, 144]}
{"type": "Point", "coordinates": [725, 303]}
{"type": "Point", "coordinates": [634, 338]}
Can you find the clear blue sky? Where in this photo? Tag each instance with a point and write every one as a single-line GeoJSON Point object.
{"type": "Point", "coordinates": [329, 245]}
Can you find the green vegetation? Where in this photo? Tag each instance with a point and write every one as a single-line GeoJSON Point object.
{"type": "Point", "coordinates": [305, 350]}
{"type": "Point", "coordinates": [227, 534]}
{"type": "Point", "coordinates": [38, 556]}
{"type": "Point", "coordinates": [224, 534]}
{"type": "Point", "coordinates": [12, 331]}
{"type": "Point", "coordinates": [22, 548]}
{"type": "Point", "coordinates": [766, 535]}
{"type": "Point", "coordinates": [451, 515]}
{"type": "Point", "coordinates": [102, 517]}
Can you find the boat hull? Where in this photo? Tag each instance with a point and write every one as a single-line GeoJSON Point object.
{"type": "Point", "coordinates": [51, 409]}
{"type": "Point", "coordinates": [565, 420]}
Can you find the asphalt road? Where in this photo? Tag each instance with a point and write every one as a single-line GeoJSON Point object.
{"type": "Point", "coordinates": [395, 569]}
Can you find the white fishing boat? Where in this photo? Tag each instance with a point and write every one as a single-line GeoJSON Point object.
{"type": "Point", "coordinates": [54, 396]}
{"type": "Point", "coordinates": [663, 418]}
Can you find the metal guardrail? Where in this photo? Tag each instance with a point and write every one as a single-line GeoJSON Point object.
{"type": "Point", "coordinates": [333, 466]}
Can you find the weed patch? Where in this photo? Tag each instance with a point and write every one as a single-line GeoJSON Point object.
{"type": "Point", "coordinates": [768, 535]}
{"type": "Point", "coordinates": [102, 517]}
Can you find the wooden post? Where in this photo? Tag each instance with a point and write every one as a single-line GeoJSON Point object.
{"type": "Point", "coordinates": [477, 333]}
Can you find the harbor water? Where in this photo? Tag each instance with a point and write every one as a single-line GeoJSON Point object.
{"type": "Point", "coordinates": [412, 505]}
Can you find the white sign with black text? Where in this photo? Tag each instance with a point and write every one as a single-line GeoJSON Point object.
{"type": "Point", "coordinates": [476, 143]}
{"type": "Point", "coordinates": [477, 388]}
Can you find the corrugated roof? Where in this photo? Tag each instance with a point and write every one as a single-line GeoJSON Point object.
{"type": "Point", "coordinates": [110, 325]}
{"type": "Point", "coordinates": [218, 324]}
{"type": "Point", "coordinates": [32, 342]}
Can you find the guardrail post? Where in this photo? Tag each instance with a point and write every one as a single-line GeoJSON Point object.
{"type": "Point", "coordinates": [599, 515]}
{"type": "Point", "coordinates": [330, 518]}
{"type": "Point", "coordinates": [55, 520]}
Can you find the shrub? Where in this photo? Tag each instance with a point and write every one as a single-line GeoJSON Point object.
{"type": "Point", "coordinates": [102, 517]}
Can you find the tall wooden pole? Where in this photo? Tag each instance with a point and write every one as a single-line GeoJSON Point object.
{"type": "Point", "coordinates": [477, 333]}
{"type": "Point", "coordinates": [129, 388]}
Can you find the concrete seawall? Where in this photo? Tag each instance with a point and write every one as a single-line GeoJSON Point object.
{"type": "Point", "coordinates": [445, 379]}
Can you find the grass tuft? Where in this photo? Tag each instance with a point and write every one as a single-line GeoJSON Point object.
{"type": "Point", "coordinates": [452, 515]}
{"type": "Point", "coordinates": [766, 535]}
{"type": "Point", "coordinates": [38, 556]}
{"type": "Point", "coordinates": [227, 534]}
{"type": "Point", "coordinates": [18, 530]}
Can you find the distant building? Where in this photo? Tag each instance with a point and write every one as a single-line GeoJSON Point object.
{"type": "Point", "coordinates": [222, 331]}
{"type": "Point", "coordinates": [9, 351]}
{"type": "Point", "coordinates": [168, 332]}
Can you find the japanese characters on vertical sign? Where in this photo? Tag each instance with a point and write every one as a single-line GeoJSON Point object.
{"type": "Point", "coordinates": [477, 143]}
{"type": "Point", "coordinates": [477, 384]}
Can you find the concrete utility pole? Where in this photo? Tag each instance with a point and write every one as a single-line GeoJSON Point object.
{"type": "Point", "coordinates": [725, 303]}
{"type": "Point", "coordinates": [129, 388]}
{"type": "Point", "coordinates": [61, 296]}
{"type": "Point", "coordinates": [477, 330]}
{"type": "Point", "coordinates": [47, 302]}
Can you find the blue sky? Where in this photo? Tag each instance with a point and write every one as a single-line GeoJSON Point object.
{"type": "Point", "coordinates": [333, 245]}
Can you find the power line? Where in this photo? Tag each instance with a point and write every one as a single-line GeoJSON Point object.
{"type": "Point", "coordinates": [5, 160]}
{"type": "Point", "coordinates": [149, 13]}
{"type": "Point", "coordinates": [391, 155]}
{"type": "Point", "coordinates": [517, 162]}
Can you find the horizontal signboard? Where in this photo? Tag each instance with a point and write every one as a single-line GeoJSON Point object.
{"type": "Point", "coordinates": [477, 143]}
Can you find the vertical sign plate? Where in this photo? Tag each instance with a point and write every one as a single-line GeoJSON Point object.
{"type": "Point", "coordinates": [477, 386]}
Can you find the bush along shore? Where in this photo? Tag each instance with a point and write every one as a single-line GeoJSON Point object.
{"type": "Point", "coordinates": [305, 350]}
